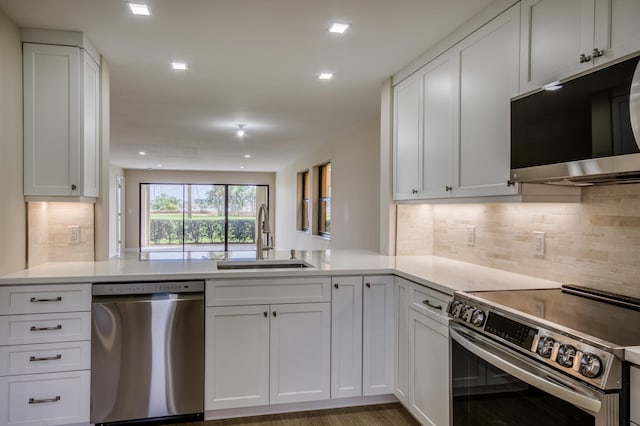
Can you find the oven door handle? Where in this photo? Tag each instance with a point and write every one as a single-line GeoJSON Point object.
{"type": "Point", "coordinates": [578, 395]}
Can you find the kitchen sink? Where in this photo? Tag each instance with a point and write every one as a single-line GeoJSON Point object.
{"type": "Point", "coordinates": [262, 264]}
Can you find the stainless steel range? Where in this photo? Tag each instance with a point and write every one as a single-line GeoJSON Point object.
{"type": "Point", "coordinates": [551, 356]}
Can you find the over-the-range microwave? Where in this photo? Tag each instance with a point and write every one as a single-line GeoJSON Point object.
{"type": "Point", "coordinates": [582, 131]}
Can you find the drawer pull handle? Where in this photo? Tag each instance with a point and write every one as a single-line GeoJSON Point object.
{"type": "Point", "coordinates": [432, 306]}
{"type": "Point", "coordinates": [36, 300]}
{"type": "Point", "coordinates": [45, 358]}
{"type": "Point", "coordinates": [42, 401]}
{"type": "Point", "coordinates": [57, 327]}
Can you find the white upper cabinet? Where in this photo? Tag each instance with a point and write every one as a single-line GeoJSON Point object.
{"type": "Point", "coordinates": [407, 147]}
{"type": "Point", "coordinates": [561, 38]}
{"type": "Point", "coordinates": [488, 65]}
{"type": "Point", "coordinates": [617, 30]}
{"type": "Point", "coordinates": [61, 121]}
{"type": "Point", "coordinates": [452, 117]}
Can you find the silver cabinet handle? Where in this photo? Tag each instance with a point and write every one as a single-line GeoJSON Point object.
{"type": "Point", "coordinates": [42, 401]}
{"type": "Point", "coordinates": [45, 358]}
{"type": "Point", "coordinates": [36, 300]}
{"type": "Point", "coordinates": [57, 327]}
{"type": "Point", "coordinates": [74, 187]}
{"type": "Point", "coordinates": [596, 53]}
{"type": "Point", "coordinates": [431, 305]}
{"type": "Point", "coordinates": [448, 188]}
{"type": "Point", "coordinates": [584, 58]}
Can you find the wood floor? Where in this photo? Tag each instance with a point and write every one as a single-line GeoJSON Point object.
{"type": "Point", "coordinates": [373, 415]}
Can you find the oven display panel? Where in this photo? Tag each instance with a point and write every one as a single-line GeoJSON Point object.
{"type": "Point", "coordinates": [511, 331]}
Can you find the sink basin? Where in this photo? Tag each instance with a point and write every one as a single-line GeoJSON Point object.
{"type": "Point", "coordinates": [262, 264]}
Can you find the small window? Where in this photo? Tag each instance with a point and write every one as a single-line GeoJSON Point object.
{"type": "Point", "coordinates": [324, 200]}
{"type": "Point", "coordinates": [304, 200]}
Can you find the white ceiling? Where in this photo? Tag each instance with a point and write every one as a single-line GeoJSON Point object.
{"type": "Point", "coordinates": [250, 61]}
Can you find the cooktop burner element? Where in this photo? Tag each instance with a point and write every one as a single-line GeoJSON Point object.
{"type": "Point", "coordinates": [580, 332]}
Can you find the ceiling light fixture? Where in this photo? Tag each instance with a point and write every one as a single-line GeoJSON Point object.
{"type": "Point", "coordinates": [325, 76]}
{"type": "Point", "coordinates": [247, 156]}
{"type": "Point", "coordinates": [181, 66]}
{"type": "Point", "coordinates": [242, 167]}
{"type": "Point", "coordinates": [240, 132]}
{"type": "Point", "coordinates": [142, 153]}
{"type": "Point", "coordinates": [139, 9]}
{"type": "Point", "coordinates": [158, 165]}
{"type": "Point", "coordinates": [338, 28]}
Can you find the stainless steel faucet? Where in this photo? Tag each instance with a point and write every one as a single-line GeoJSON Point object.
{"type": "Point", "coordinates": [263, 228]}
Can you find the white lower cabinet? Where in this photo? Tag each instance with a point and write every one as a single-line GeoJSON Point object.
{"type": "Point", "coordinates": [346, 337]}
{"type": "Point", "coordinates": [429, 398]}
{"type": "Point", "coordinates": [267, 354]}
{"type": "Point", "coordinates": [300, 352]}
{"type": "Point", "coordinates": [401, 390]}
{"type": "Point", "coordinates": [378, 336]}
{"type": "Point", "coordinates": [237, 356]}
{"type": "Point", "coordinates": [635, 395]}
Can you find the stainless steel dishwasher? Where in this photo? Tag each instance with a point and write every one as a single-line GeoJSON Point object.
{"type": "Point", "coordinates": [147, 352]}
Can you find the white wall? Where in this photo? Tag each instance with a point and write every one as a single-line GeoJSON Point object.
{"type": "Point", "coordinates": [12, 208]}
{"type": "Point", "coordinates": [355, 183]}
{"type": "Point", "coordinates": [133, 179]}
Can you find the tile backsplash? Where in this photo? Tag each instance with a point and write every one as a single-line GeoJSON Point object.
{"type": "Point", "coordinates": [48, 232]}
{"type": "Point", "coordinates": [595, 243]}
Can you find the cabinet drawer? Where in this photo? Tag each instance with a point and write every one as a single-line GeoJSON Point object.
{"type": "Point", "coordinates": [30, 299]}
{"type": "Point", "coordinates": [45, 399]}
{"type": "Point", "coordinates": [45, 358]}
{"type": "Point", "coordinates": [430, 302]}
{"type": "Point", "coordinates": [263, 291]}
{"type": "Point", "coordinates": [45, 328]}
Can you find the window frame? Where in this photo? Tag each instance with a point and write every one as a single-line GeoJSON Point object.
{"type": "Point", "coordinates": [324, 196]}
{"type": "Point", "coordinates": [304, 188]}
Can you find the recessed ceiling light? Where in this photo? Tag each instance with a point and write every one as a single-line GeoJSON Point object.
{"type": "Point", "coordinates": [158, 165]}
{"type": "Point", "coordinates": [338, 28]}
{"type": "Point", "coordinates": [240, 132]}
{"type": "Point", "coordinates": [247, 156]}
{"type": "Point", "coordinates": [242, 167]}
{"type": "Point", "coordinates": [142, 153]}
{"type": "Point", "coordinates": [139, 9]}
{"type": "Point", "coordinates": [179, 66]}
{"type": "Point", "coordinates": [325, 76]}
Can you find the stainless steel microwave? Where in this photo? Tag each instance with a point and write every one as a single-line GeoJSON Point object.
{"type": "Point", "coordinates": [582, 131]}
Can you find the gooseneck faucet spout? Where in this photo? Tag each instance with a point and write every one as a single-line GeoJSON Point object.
{"type": "Point", "coordinates": [263, 228]}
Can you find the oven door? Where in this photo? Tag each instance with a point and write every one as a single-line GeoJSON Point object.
{"type": "Point", "coordinates": [493, 385]}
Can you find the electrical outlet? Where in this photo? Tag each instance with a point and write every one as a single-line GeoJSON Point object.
{"type": "Point", "coordinates": [537, 242]}
{"type": "Point", "coordinates": [471, 235]}
{"type": "Point", "coordinates": [74, 234]}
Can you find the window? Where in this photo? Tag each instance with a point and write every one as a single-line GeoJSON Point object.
{"type": "Point", "coordinates": [190, 217]}
{"type": "Point", "coordinates": [324, 200]}
{"type": "Point", "coordinates": [304, 200]}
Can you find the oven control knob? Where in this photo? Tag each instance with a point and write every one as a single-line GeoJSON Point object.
{"type": "Point", "coordinates": [467, 311]}
{"type": "Point", "coordinates": [477, 318]}
{"type": "Point", "coordinates": [566, 354]}
{"type": "Point", "coordinates": [455, 308]}
{"type": "Point", "coordinates": [545, 346]}
{"type": "Point", "coordinates": [590, 365]}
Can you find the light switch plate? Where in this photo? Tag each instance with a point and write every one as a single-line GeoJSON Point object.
{"type": "Point", "coordinates": [537, 243]}
{"type": "Point", "coordinates": [471, 235]}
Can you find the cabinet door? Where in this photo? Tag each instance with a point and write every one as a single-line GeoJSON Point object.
{"type": "Point", "coordinates": [428, 370]}
{"type": "Point", "coordinates": [488, 79]}
{"type": "Point", "coordinates": [407, 139]}
{"type": "Point", "coordinates": [402, 298]}
{"type": "Point", "coordinates": [346, 337]}
{"type": "Point", "coordinates": [236, 357]}
{"type": "Point", "coordinates": [635, 394]}
{"type": "Point", "coordinates": [377, 336]}
{"type": "Point", "coordinates": [554, 35]}
{"type": "Point", "coordinates": [300, 352]}
{"type": "Point", "coordinates": [440, 86]}
{"type": "Point", "coordinates": [90, 127]}
{"type": "Point", "coordinates": [51, 76]}
{"type": "Point", "coordinates": [617, 31]}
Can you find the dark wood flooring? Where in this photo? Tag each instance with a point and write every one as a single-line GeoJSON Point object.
{"type": "Point", "coordinates": [372, 415]}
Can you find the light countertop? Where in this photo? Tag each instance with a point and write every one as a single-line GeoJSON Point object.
{"type": "Point", "coordinates": [632, 354]}
{"type": "Point", "coordinates": [445, 275]}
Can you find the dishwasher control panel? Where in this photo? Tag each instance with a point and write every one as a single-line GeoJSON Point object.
{"type": "Point", "coordinates": [113, 289]}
